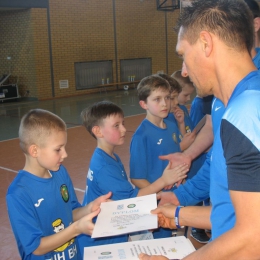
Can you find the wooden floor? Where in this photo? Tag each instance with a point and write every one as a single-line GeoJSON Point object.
{"type": "Point", "coordinates": [80, 147]}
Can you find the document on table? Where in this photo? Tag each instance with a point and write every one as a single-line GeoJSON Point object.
{"type": "Point", "coordinates": [201, 123]}
{"type": "Point", "coordinates": [126, 216]}
{"type": "Point", "coordinates": [172, 247]}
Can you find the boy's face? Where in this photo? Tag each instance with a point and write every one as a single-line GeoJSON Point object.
{"type": "Point", "coordinates": [113, 130]}
{"type": "Point", "coordinates": [184, 96]}
{"type": "Point", "coordinates": [174, 100]}
{"type": "Point", "coordinates": [52, 153]}
{"type": "Point", "coordinates": [158, 103]}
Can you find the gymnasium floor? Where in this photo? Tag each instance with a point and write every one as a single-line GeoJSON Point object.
{"type": "Point", "coordinates": [80, 146]}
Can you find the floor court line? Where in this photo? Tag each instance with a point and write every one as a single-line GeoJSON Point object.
{"type": "Point", "coordinates": [7, 169]}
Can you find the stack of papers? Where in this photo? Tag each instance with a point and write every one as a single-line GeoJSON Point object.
{"type": "Point", "coordinates": [173, 248]}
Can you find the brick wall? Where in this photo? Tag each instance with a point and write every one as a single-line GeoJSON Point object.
{"type": "Point", "coordinates": [84, 31]}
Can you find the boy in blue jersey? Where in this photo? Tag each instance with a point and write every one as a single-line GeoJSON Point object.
{"type": "Point", "coordinates": [154, 137]}
{"type": "Point", "coordinates": [105, 122]}
{"type": "Point", "coordinates": [43, 209]}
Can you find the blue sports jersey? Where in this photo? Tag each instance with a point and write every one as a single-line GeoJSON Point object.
{"type": "Point", "coordinates": [256, 59]}
{"type": "Point", "coordinates": [235, 161]}
{"type": "Point", "coordinates": [106, 174]}
{"type": "Point", "coordinates": [196, 110]}
{"type": "Point", "coordinates": [40, 207]}
{"type": "Point", "coordinates": [147, 144]}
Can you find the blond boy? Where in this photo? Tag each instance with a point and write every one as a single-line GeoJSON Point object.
{"type": "Point", "coordinates": [44, 212]}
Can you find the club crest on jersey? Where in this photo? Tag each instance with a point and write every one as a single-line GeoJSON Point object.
{"type": "Point", "coordinates": [174, 137]}
{"type": "Point", "coordinates": [64, 192]}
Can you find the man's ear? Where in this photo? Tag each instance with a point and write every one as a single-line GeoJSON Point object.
{"type": "Point", "coordinates": [206, 42]}
{"type": "Point", "coordinates": [33, 150]}
{"type": "Point", "coordinates": [97, 131]}
{"type": "Point", "coordinates": [143, 104]}
{"type": "Point", "coordinates": [257, 24]}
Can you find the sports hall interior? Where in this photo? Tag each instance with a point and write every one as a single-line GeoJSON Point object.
{"type": "Point", "coordinates": [65, 55]}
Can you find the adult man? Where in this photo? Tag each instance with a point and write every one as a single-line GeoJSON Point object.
{"type": "Point", "coordinates": [214, 40]}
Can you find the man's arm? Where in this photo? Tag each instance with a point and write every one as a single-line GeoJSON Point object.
{"type": "Point", "coordinates": [202, 142]}
{"type": "Point", "coordinates": [242, 241]}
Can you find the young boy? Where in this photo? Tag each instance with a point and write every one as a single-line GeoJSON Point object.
{"type": "Point", "coordinates": [105, 122]}
{"type": "Point", "coordinates": [154, 137]}
{"type": "Point", "coordinates": [176, 114]}
{"type": "Point", "coordinates": [184, 96]}
{"type": "Point", "coordinates": [44, 212]}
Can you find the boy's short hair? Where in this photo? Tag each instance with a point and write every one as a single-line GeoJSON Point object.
{"type": "Point", "coordinates": [149, 84]}
{"type": "Point", "coordinates": [180, 79]}
{"type": "Point", "coordinates": [94, 114]}
{"type": "Point", "coordinates": [36, 125]}
{"type": "Point", "coordinates": [174, 84]}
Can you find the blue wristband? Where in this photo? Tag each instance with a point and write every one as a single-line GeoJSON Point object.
{"type": "Point", "coordinates": [176, 217]}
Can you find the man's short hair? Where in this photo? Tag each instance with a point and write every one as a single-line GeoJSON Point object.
{"type": "Point", "coordinates": [36, 126]}
{"type": "Point", "coordinates": [230, 20]}
{"type": "Point", "coordinates": [96, 113]}
{"type": "Point", "coordinates": [149, 84]}
{"type": "Point", "coordinates": [174, 84]}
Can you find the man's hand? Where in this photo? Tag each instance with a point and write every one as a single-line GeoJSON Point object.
{"type": "Point", "coordinates": [177, 159]}
{"type": "Point", "coordinates": [143, 256]}
{"type": "Point", "coordinates": [168, 197]}
{"type": "Point", "coordinates": [166, 215]}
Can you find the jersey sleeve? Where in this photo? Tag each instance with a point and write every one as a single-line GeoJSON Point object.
{"type": "Point", "coordinates": [110, 181]}
{"type": "Point", "coordinates": [23, 221]}
{"type": "Point", "coordinates": [195, 189]}
{"type": "Point", "coordinates": [138, 158]}
{"type": "Point", "coordinates": [242, 155]}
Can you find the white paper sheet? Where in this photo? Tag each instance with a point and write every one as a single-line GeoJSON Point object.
{"type": "Point", "coordinates": [126, 216]}
{"type": "Point", "coordinates": [172, 248]}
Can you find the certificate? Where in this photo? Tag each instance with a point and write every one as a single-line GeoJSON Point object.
{"type": "Point", "coordinates": [172, 247]}
{"type": "Point", "coordinates": [126, 216]}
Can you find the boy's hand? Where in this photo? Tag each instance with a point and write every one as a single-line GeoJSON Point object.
{"type": "Point", "coordinates": [143, 256]}
{"type": "Point", "coordinates": [94, 205]}
{"type": "Point", "coordinates": [165, 215]}
{"type": "Point", "coordinates": [178, 114]}
{"type": "Point", "coordinates": [171, 176]}
{"type": "Point", "coordinates": [85, 225]}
